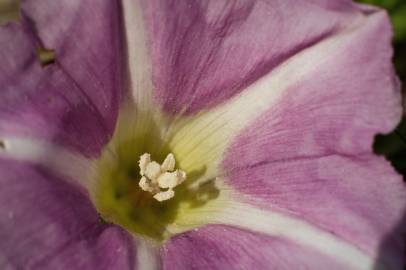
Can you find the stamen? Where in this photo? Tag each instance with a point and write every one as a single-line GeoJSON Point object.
{"type": "Point", "coordinates": [171, 179]}
{"type": "Point", "coordinates": [165, 195]}
{"type": "Point", "coordinates": [144, 160]}
{"type": "Point", "coordinates": [146, 185]}
{"type": "Point", "coordinates": [153, 170]}
{"type": "Point", "coordinates": [169, 163]}
{"type": "Point", "coordinates": [156, 177]}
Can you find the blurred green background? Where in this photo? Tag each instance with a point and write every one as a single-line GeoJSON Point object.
{"type": "Point", "coordinates": [393, 145]}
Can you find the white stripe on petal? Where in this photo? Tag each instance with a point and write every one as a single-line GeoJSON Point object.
{"type": "Point", "coordinates": [272, 223]}
{"type": "Point", "coordinates": [299, 231]}
{"type": "Point", "coordinates": [58, 159]}
{"type": "Point", "coordinates": [138, 55]}
{"type": "Point", "coordinates": [148, 255]}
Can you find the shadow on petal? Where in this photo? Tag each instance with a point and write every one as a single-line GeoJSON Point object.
{"type": "Point", "coordinates": [391, 253]}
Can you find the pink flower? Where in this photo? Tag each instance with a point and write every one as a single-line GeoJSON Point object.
{"type": "Point", "coordinates": [264, 110]}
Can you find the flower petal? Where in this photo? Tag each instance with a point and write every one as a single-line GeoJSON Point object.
{"type": "Point", "coordinates": [46, 224]}
{"type": "Point", "coordinates": [148, 256]}
{"type": "Point", "coordinates": [337, 108]}
{"type": "Point", "coordinates": [311, 154]}
{"type": "Point", "coordinates": [73, 99]}
{"type": "Point", "coordinates": [139, 62]}
{"type": "Point", "coordinates": [223, 247]}
{"type": "Point", "coordinates": [203, 53]}
{"type": "Point", "coordinates": [73, 167]}
{"type": "Point", "coordinates": [285, 226]}
{"type": "Point", "coordinates": [339, 92]}
{"type": "Point", "coordinates": [358, 199]}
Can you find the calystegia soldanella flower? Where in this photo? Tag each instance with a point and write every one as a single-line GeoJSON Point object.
{"type": "Point", "coordinates": [197, 134]}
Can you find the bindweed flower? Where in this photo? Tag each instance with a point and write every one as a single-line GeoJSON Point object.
{"type": "Point", "coordinates": [165, 134]}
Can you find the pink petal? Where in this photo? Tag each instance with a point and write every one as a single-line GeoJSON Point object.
{"type": "Point", "coordinates": [223, 247]}
{"type": "Point", "coordinates": [73, 101]}
{"type": "Point", "coordinates": [359, 199]}
{"type": "Point", "coordinates": [205, 52]}
{"type": "Point", "coordinates": [311, 155]}
{"type": "Point", "coordinates": [338, 107]}
{"type": "Point", "coordinates": [47, 224]}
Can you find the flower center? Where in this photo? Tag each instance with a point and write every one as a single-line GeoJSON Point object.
{"type": "Point", "coordinates": [155, 177]}
{"type": "Point", "coordinates": [139, 181]}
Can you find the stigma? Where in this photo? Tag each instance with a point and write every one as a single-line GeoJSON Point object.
{"type": "Point", "coordinates": [160, 179]}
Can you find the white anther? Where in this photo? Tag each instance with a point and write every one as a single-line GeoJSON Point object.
{"type": "Point", "coordinates": [168, 180]}
{"type": "Point", "coordinates": [145, 159]}
{"type": "Point", "coordinates": [153, 170]}
{"type": "Point", "coordinates": [164, 195]}
{"type": "Point", "coordinates": [156, 176]}
{"type": "Point", "coordinates": [171, 179]}
{"type": "Point", "coordinates": [146, 185]}
{"type": "Point", "coordinates": [169, 163]}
